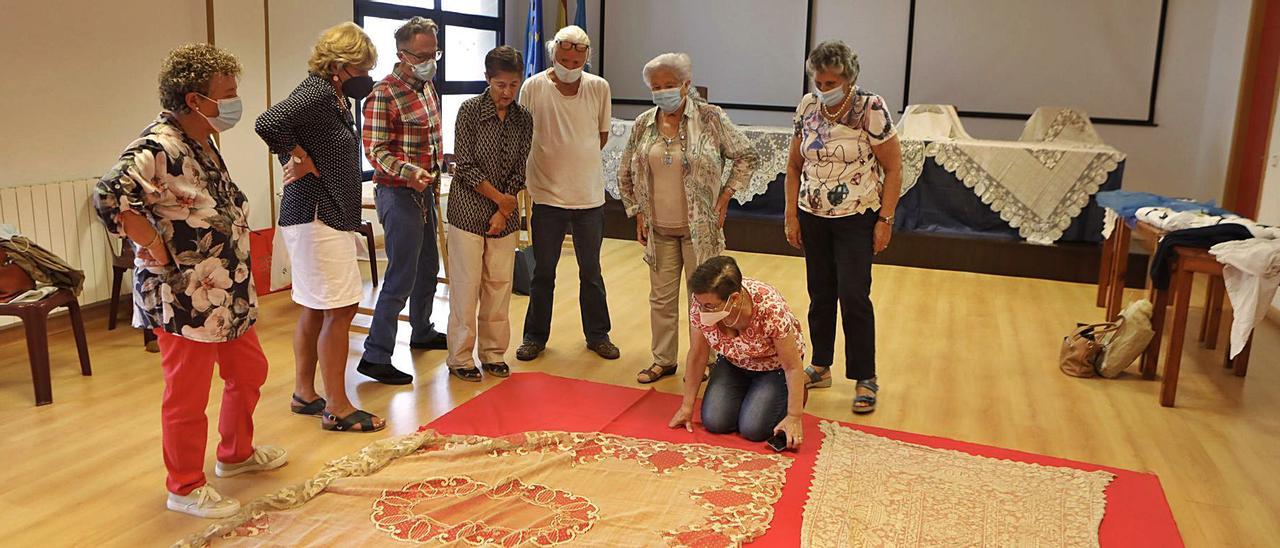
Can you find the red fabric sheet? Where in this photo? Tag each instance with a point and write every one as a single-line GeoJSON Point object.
{"type": "Point", "coordinates": [1137, 513]}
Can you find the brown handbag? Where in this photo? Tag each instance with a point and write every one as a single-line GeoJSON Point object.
{"type": "Point", "coordinates": [1082, 349]}
{"type": "Point", "coordinates": [13, 279]}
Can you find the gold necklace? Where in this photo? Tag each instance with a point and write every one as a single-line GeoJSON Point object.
{"type": "Point", "coordinates": [848, 97]}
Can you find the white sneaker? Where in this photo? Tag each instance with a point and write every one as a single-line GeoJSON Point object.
{"type": "Point", "coordinates": [265, 457]}
{"type": "Point", "coordinates": [204, 502]}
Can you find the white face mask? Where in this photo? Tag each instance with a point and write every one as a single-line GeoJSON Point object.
{"type": "Point", "coordinates": [229, 112]}
{"type": "Point", "coordinates": [565, 75]}
{"type": "Point", "coordinates": [709, 319]}
{"type": "Point", "coordinates": [425, 70]}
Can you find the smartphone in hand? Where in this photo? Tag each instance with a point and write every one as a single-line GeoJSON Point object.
{"type": "Point", "coordinates": [778, 442]}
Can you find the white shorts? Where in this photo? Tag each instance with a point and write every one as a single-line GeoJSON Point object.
{"type": "Point", "coordinates": [322, 262]}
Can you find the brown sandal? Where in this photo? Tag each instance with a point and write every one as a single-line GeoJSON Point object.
{"type": "Point", "coordinates": [655, 372]}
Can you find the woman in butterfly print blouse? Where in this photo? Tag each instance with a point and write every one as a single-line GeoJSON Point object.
{"type": "Point", "coordinates": [844, 176]}
{"type": "Point", "coordinates": [313, 133]}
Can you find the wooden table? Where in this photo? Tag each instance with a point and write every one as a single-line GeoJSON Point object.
{"type": "Point", "coordinates": [1187, 261]}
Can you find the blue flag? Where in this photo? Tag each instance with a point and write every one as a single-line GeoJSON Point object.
{"type": "Point", "coordinates": [534, 60]}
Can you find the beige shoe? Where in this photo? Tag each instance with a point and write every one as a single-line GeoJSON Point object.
{"type": "Point", "coordinates": [204, 502]}
{"type": "Point", "coordinates": [265, 457]}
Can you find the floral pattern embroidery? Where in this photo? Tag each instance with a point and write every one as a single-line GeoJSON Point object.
{"type": "Point", "coordinates": [206, 293]}
{"type": "Point", "coordinates": [841, 175]}
{"type": "Point", "coordinates": [405, 513]}
{"type": "Point", "coordinates": [740, 508]}
{"type": "Point", "coordinates": [753, 348]}
{"type": "Point", "coordinates": [716, 141]}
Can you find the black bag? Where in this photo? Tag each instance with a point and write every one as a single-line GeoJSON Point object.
{"type": "Point", "coordinates": [522, 278]}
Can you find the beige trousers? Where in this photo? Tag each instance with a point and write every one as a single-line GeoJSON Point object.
{"type": "Point", "coordinates": [672, 253]}
{"type": "Point", "coordinates": [480, 274]}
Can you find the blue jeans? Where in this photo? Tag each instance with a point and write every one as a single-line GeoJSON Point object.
{"type": "Point", "coordinates": [751, 403]}
{"type": "Point", "coordinates": [413, 262]}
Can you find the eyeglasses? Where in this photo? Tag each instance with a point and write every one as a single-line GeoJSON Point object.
{"type": "Point", "coordinates": [724, 305]}
{"type": "Point", "coordinates": [424, 56]}
{"type": "Point", "coordinates": [572, 46]}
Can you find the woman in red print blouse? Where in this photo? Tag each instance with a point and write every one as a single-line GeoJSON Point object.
{"type": "Point", "coordinates": [757, 385]}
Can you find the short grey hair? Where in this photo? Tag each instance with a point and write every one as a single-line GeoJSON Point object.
{"type": "Point", "coordinates": [413, 27]}
{"type": "Point", "coordinates": [833, 55]}
{"type": "Point", "coordinates": [678, 63]}
{"type": "Point", "coordinates": [572, 34]}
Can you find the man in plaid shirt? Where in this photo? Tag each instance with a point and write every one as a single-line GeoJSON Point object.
{"type": "Point", "coordinates": [402, 141]}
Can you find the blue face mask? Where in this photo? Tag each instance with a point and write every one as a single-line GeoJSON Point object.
{"type": "Point", "coordinates": [667, 99]}
{"type": "Point", "coordinates": [833, 97]}
{"type": "Point", "coordinates": [229, 112]}
{"type": "Point", "coordinates": [425, 70]}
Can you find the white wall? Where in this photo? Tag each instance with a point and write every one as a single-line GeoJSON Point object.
{"type": "Point", "coordinates": [80, 81]}
{"type": "Point", "coordinates": [1186, 155]}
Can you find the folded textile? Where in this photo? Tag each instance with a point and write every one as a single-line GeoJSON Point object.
{"type": "Point", "coordinates": [42, 265]}
{"type": "Point", "coordinates": [1251, 273]}
{"type": "Point", "coordinates": [1203, 237]}
{"type": "Point", "coordinates": [1126, 204]}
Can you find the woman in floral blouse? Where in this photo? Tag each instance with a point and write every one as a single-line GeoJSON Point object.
{"type": "Point", "coordinates": [757, 386]}
{"type": "Point", "coordinates": [670, 179]}
{"type": "Point", "coordinates": [844, 176]}
{"type": "Point", "coordinates": [170, 193]}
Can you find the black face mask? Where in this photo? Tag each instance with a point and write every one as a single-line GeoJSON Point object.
{"type": "Point", "coordinates": [358, 87]}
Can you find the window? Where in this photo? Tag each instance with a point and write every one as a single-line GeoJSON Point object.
{"type": "Point", "coordinates": [468, 29]}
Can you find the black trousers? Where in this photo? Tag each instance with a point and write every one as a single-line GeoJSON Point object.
{"type": "Point", "coordinates": [837, 259]}
{"type": "Point", "coordinates": [550, 224]}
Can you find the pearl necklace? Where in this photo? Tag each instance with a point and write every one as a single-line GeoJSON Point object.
{"type": "Point", "coordinates": [848, 97]}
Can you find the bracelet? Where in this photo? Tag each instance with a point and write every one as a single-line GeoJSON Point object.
{"type": "Point", "coordinates": [887, 220]}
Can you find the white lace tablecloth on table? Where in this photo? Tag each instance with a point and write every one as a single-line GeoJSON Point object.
{"type": "Point", "coordinates": [1037, 187]}
{"type": "Point", "coordinates": [772, 144]}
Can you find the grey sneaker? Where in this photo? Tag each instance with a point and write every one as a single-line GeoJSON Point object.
{"type": "Point", "coordinates": [204, 502]}
{"type": "Point", "coordinates": [264, 457]}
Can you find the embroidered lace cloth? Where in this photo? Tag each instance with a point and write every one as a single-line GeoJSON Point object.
{"type": "Point", "coordinates": [873, 491]}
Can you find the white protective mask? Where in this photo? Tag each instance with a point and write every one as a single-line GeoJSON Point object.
{"type": "Point", "coordinates": [710, 319]}
{"type": "Point", "coordinates": [565, 75]}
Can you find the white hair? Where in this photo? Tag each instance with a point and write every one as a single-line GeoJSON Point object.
{"type": "Point", "coordinates": [572, 34]}
{"type": "Point", "coordinates": [678, 63]}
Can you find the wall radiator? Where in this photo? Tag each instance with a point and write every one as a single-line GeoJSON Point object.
{"type": "Point", "coordinates": [60, 217]}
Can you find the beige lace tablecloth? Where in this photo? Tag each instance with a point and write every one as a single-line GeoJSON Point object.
{"type": "Point", "coordinates": [874, 491]}
{"type": "Point", "coordinates": [1038, 188]}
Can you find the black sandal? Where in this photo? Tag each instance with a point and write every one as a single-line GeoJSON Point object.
{"type": "Point", "coordinates": [361, 418]}
{"type": "Point", "coordinates": [869, 402]}
{"type": "Point", "coordinates": [314, 408]}
{"type": "Point", "coordinates": [497, 369]}
{"type": "Point", "coordinates": [469, 374]}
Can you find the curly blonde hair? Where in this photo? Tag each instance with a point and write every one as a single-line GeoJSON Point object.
{"type": "Point", "coordinates": [190, 68]}
{"type": "Point", "coordinates": [344, 44]}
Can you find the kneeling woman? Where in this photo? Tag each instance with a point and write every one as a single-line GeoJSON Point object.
{"type": "Point", "coordinates": [757, 385]}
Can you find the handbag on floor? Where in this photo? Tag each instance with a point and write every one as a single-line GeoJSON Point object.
{"type": "Point", "coordinates": [1082, 350]}
{"type": "Point", "coordinates": [1127, 343]}
{"type": "Point", "coordinates": [522, 278]}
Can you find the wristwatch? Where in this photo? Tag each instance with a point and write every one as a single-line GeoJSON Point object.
{"type": "Point", "coordinates": [886, 220]}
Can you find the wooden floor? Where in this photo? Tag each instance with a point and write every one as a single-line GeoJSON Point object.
{"type": "Point", "coordinates": [964, 356]}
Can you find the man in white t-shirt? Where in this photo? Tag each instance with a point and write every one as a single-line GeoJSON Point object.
{"type": "Point", "coordinates": [571, 110]}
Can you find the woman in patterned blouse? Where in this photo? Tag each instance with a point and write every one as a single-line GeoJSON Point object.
{"type": "Point", "coordinates": [844, 175]}
{"type": "Point", "coordinates": [171, 194]}
{"type": "Point", "coordinates": [757, 386]}
{"type": "Point", "coordinates": [493, 134]}
{"type": "Point", "coordinates": [670, 178]}
{"type": "Point", "coordinates": [313, 133]}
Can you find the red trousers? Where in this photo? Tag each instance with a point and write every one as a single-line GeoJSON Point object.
{"type": "Point", "coordinates": [188, 372]}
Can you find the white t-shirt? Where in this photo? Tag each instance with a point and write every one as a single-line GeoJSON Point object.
{"type": "Point", "coordinates": [564, 168]}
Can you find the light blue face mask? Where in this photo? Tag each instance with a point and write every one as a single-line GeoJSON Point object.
{"type": "Point", "coordinates": [229, 112]}
{"type": "Point", "coordinates": [833, 97]}
{"type": "Point", "coordinates": [667, 99]}
{"type": "Point", "coordinates": [425, 70]}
